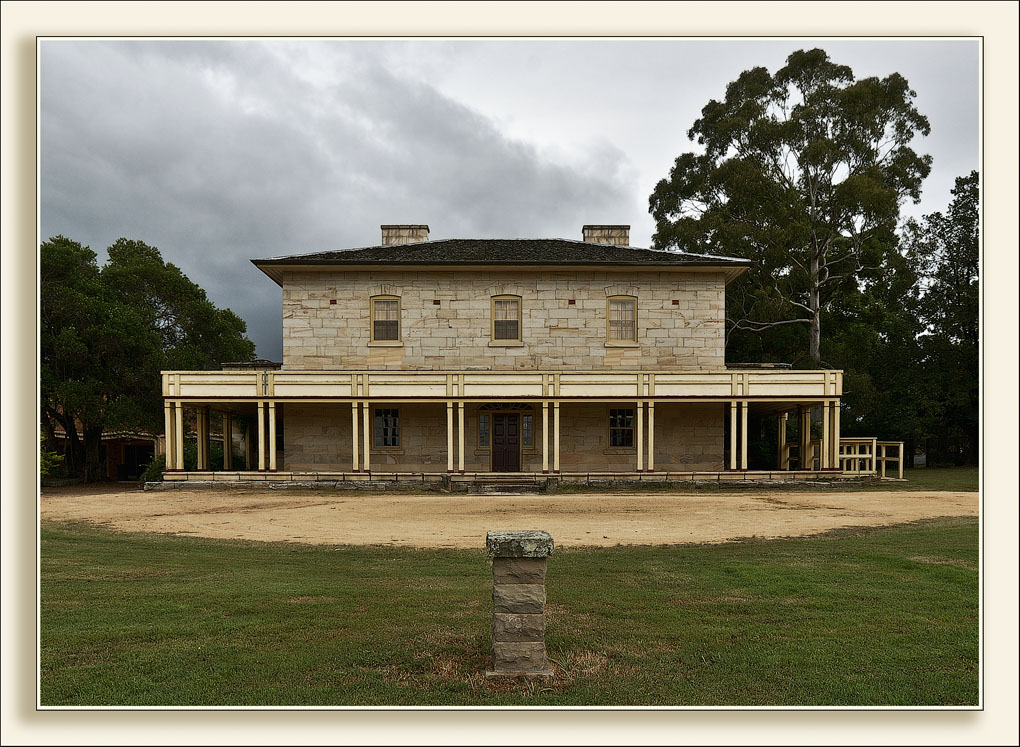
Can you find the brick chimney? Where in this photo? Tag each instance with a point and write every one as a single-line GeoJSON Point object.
{"type": "Point", "coordinates": [404, 234]}
{"type": "Point", "coordinates": [615, 235]}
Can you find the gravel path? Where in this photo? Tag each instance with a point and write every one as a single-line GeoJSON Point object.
{"type": "Point", "coordinates": [460, 521]}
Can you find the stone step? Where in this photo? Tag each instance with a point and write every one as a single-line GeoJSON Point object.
{"type": "Point", "coordinates": [504, 488]}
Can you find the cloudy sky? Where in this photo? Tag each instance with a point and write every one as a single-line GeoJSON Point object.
{"type": "Point", "coordinates": [222, 151]}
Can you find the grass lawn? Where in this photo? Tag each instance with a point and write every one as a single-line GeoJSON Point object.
{"type": "Point", "coordinates": [939, 478]}
{"type": "Point", "coordinates": [883, 616]}
{"type": "Point", "coordinates": [936, 478]}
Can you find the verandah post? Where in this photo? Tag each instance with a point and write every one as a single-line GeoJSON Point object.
{"type": "Point", "coordinates": [366, 435]}
{"type": "Point", "coordinates": [545, 437]}
{"type": "Point", "coordinates": [733, 435]}
{"type": "Point", "coordinates": [272, 436]}
{"type": "Point", "coordinates": [262, 436]}
{"type": "Point", "coordinates": [651, 437]}
{"type": "Point", "coordinates": [640, 435]}
{"type": "Point", "coordinates": [228, 441]}
{"type": "Point", "coordinates": [449, 436]}
{"type": "Point", "coordinates": [168, 436]}
{"type": "Point", "coordinates": [781, 458]}
{"type": "Point", "coordinates": [556, 437]}
{"type": "Point", "coordinates": [460, 436]}
{"type": "Point", "coordinates": [743, 435]}
{"type": "Point", "coordinates": [355, 458]}
{"type": "Point", "coordinates": [824, 449]}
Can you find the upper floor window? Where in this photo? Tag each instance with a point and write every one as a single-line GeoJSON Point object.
{"type": "Point", "coordinates": [622, 319]}
{"type": "Point", "coordinates": [506, 318]}
{"type": "Point", "coordinates": [385, 319]}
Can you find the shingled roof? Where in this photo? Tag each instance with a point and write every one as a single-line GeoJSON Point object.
{"type": "Point", "coordinates": [510, 252]}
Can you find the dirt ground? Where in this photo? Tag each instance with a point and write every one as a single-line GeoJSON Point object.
{"type": "Point", "coordinates": [461, 521]}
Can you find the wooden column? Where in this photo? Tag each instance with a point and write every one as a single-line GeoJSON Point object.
{"type": "Point", "coordinates": [460, 436]}
{"type": "Point", "coordinates": [228, 441]}
{"type": "Point", "coordinates": [781, 459]}
{"type": "Point", "coordinates": [733, 435]}
{"type": "Point", "coordinates": [743, 435]}
{"type": "Point", "coordinates": [835, 434]}
{"type": "Point", "coordinates": [651, 437]}
{"type": "Point", "coordinates": [545, 437]}
{"type": "Point", "coordinates": [806, 457]}
{"type": "Point", "coordinates": [355, 459]}
{"type": "Point", "coordinates": [262, 436]}
{"type": "Point", "coordinates": [556, 436]}
{"type": "Point", "coordinates": [179, 437]}
{"type": "Point", "coordinates": [449, 436]}
{"type": "Point", "coordinates": [824, 450]}
{"type": "Point", "coordinates": [168, 435]}
{"type": "Point", "coordinates": [249, 449]}
{"type": "Point", "coordinates": [640, 430]}
{"type": "Point", "coordinates": [366, 436]}
{"type": "Point", "coordinates": [202, 439]}
{"type": "Point", "coordinates": [272, 436]}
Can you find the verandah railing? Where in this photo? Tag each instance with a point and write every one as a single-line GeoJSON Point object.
{"type": "Point", "coordinates": [870, 456]}
{"type": "Point", "coordinates": [857, 456]}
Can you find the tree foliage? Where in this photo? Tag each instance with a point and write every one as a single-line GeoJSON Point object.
{"type": "Point", "coordinates": [804, 172]}
{"type": "Point", "coordinates": [945, 250]}
{"type": "Point", "coordinates": [106, 333]}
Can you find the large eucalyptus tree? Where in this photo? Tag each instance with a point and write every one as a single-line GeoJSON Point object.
{"type": "Point", "coordinates": [803, 171]}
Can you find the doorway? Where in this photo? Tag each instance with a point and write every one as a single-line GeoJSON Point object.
{"type": "Point", "coordinates": [506, 442]}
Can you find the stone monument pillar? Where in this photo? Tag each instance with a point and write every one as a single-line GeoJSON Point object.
{"type": "Point", "coordinates": [519, 560]}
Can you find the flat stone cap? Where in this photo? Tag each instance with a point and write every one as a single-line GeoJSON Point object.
{"type": "Point", "coordinates": [512, 543]}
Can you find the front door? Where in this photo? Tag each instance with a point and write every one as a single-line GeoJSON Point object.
{"type": "Point", "coordinates": [506, 442]}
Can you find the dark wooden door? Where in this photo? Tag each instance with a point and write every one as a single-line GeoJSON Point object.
{"type": "Point", "coordinates": [506, 442]}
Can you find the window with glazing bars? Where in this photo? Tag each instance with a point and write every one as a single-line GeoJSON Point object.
{"type": "Point", "coordinates": [621, 427]}
{"type": "Point", "coordinates": [506, 318]}
{"type": "Point", "coordinates": [387, 427]}
{"type": "Point", "coordinates": [385, 319]}
{"type": "Point", "coordinates": [528, 429]}
{"type": "Point", "coordinates": [622, 320]}
{"type": "Point", "coordinates": [483, 430]}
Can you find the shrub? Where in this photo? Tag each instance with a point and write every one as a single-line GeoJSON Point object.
{"type": "Point", "coordinates": [48, 460]}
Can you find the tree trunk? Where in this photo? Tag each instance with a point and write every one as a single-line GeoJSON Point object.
{"type": "Point", "coordinates": [815, 329]}
{"type": "Point", "coordinates": [93, 465]}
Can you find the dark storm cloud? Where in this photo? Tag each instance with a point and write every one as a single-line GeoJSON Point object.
{"type": "Point", "coordinates": [220, 152]}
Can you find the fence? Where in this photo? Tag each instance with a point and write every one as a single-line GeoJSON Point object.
{"type": "Point", "coordinates": [870, 456]}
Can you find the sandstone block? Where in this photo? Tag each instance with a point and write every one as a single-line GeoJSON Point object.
{"type": "Point", "coordinates": [529, 656]}
{"type": "Point", "coordinates": [520, 599]}
{"type": "Point", "coordinates": [517, 628]}
{"type": "Point", "coordinates": [519, 570]}
{"type": "Point", "coordinates": [518, 544]}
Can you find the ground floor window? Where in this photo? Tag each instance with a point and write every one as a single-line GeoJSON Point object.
{"type": "Point", "coordinates": [483, 429]}
{"type": "Point", "coordinates": [528, 429]}
{"type": "Point", "coordinates": [621, 427]}
{"type": "Point", "coordinates": [387, 427]}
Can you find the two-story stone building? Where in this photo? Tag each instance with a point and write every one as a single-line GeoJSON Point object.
{"type": "Point", "coordinates": [420, 358]}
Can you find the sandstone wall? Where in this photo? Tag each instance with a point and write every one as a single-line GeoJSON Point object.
{"type": "Point", "coordinates": [326, 322]}
{"type": "Point", "coordinates": [688, 437]}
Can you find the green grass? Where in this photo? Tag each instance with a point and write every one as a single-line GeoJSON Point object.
{"type": "Point", "coordinates": [872, 617]}
{"type": "Point", "coordinates": [940, 478]}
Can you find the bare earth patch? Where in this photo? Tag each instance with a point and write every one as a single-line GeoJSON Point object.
{"type": "Point", "coordinates": [461, 521]}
